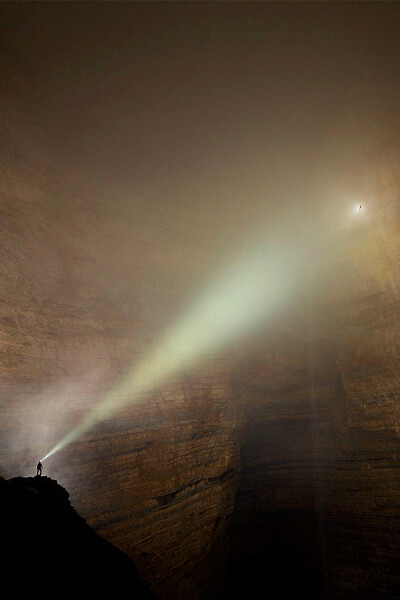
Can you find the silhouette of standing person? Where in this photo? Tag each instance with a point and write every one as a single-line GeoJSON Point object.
{"type": "Point", "coordinates": [39, 469]}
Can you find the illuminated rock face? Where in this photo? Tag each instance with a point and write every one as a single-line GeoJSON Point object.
{"type": "Point", "coordinates": [319, 500]}
{"type": "Point", "coordinates": [294, 451]}
{"type": "Point", "coordinates": [162, 488]}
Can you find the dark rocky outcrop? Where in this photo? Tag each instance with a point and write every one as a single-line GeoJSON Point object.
{"type": "Point", "coordinates": [46, 545]}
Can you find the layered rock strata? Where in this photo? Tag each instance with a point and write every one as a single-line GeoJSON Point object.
{"type": "Point", "coordinates": [158, 478]}
{"type": "Point", "coordinates": [318, 505]}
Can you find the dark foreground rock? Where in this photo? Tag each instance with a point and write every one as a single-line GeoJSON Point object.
{"type": "Point", "coordinates": [48, 547]}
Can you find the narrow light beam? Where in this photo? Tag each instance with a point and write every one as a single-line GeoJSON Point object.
{"type": "Point", "coordinates": [238, 301]}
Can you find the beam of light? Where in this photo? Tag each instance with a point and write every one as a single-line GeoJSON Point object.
{"type": "Point", "coordinates": [237, 302]}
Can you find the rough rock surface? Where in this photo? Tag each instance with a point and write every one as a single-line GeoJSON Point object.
{"type": "Point", "coordinates": [158, 479]}
{"type": "Point", "coordinates": [46, 544]}
{"type": "Point", "coordinates": [319, 500]}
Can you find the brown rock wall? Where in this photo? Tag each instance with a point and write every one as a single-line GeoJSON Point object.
{"type": "Point", "coordinates": [162, 488]}
{"type": "Point", "coordinates": [319, 498]}
{"type": "Point", "coordinates": [158, 478]}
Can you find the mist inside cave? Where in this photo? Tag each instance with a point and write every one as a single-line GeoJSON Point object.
{"type": "Point", "coordinates": [199, 309]}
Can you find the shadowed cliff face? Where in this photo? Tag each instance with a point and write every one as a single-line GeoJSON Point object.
{"type": "Point", "coordinates": [319, 498]}
{"type": "Point", "coordinates": [47, 544]}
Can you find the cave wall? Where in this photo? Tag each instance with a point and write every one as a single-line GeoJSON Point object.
{"type": "Point", "coordinates": [77, 309]}
{"type": "Point", "coordinates": [143, 150]}
{"type": "Point", "coordinates": [318, 506]}
{"type": "Point", "coordinates": [297, 438]}
{"type": "Point", "coordinates": [159, 482]}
